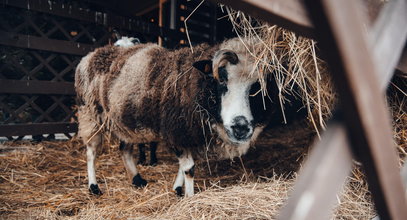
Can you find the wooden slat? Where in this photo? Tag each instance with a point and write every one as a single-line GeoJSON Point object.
{"type": "Point", "coordinates": [37, 128]}
{"type": "Point", "coordinates": [36, 87]}
{"type": "Point", "coordinates": [287, 14]}
{"type": "Point", "coordinates": [341, 36]}
{"type": "Point", "coordinates": [388, 36]}
{"type": "Point", "coordinates": [402, 66]}
{"type": "Point", "coordinates": [256, 11]}
{"type": "Point", "coordinates": [314, 194]}
{"type": "Point", "coordinates": [40, 43]}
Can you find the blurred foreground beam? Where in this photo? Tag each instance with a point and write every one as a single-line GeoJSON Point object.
{"type": "Point", "coordinates": [387, 39]}
{"type": "Point", "coordinates": [290, 15]}
{"type": "Point", "coordinates": [340, 32]}
{"type": "Point", "coordinates": [394, 14]}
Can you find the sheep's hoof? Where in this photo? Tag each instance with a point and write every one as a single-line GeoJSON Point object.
{"type": "Point", "coordinates": [94, 189]}
{"type": "Point", "coordinates": [178, 191]}
{"type": "Point", "coordinates": [138, 181]}
{"type": "Point", "coordinates": [153, 162]}
{"type": "Point", "coordinates": [142, 162]}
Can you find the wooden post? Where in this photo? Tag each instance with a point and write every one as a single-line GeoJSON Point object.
{"type": "Point", "coordinates": [160, 20]}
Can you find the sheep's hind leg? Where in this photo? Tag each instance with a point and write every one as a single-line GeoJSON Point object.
{"type": "Point", "coordinates": [129, 163]}
{"type": "Point", "coordinates": [185, 175]}
{"type": "Point", "coordinates": [141, 154]}
{"type": "Point", "coordinates": [91, 156]}
{"type": "Point", "coordinates": [153, 155]}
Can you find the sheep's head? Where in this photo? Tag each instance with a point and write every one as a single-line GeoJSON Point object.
{"type": "Point", "coordinates": [234, 75]}
{"type": "Point", "coordinates": [127, 41]}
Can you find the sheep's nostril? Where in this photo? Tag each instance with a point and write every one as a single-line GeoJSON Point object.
{"type": "Point", "coordinates": [240, 132]}
{"type": "Point", "coordinates": [241, 129]}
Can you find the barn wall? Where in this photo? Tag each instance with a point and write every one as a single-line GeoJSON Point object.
{"type": "Point", "coordinates": [42, 41]}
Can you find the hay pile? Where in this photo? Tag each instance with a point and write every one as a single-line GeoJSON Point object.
{"type": "Point", "coordinates": [48, 181]}
{"type": "Point", "coordinates": [291, 61]}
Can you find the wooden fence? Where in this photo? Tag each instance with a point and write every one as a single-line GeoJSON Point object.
{"type": "Point", "coordinates": [41, 42]}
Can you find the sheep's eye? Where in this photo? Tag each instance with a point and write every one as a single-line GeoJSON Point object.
{"type": "Point", "coordinates": [223, 75]}
{"type": "Point", "coordinates": [222, 81]}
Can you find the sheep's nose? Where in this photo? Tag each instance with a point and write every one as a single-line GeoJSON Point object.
{"type": "Point", "coordinates": [241, 128]}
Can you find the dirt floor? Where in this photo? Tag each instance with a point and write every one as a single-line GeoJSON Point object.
{"type": "Point", "coordinates": [49, 179]}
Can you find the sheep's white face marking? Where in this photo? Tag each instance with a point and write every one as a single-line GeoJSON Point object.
{"type": "Point", "coordinates": [232, 74]}
{"type": "Point", "coordinates": [127, 42]}
{"type": "Point", "coordinates": [235, 76]}
{"type": "Point", "coordinates": [235, 109]}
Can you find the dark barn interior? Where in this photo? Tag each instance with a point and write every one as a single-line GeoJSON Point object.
{"type": "Point", "coordinates": [43, 163]}
{"type": "Point", "coordinates": [41, 43]}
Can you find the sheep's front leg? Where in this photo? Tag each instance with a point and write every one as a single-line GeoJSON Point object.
{"type": "Point", "coordinates": [185, 175]}
{"type": "Point", "coordinates": [91, 147]}
{"type": "Point", "coordinates": [129, 163]}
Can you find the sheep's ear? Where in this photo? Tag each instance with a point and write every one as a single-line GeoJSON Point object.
{"type": "Point", "coordinates": [204, 66]}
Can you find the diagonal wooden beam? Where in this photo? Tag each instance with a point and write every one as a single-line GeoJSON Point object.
{"type": "Point", "coordinates": [322, 176]}
{"type": "Point", "coordinates": [340, 33]}
{"type": "Point", "coordinates": [341, 144]}
{"type": "Point", "coordinates": [387, 38]}
{"type": "Point", "coordinates": [290, 15]}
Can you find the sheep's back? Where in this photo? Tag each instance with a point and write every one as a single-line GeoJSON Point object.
{"type": "Point", "coordinates": [133, 96]}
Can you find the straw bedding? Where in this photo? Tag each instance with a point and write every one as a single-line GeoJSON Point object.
{"type": "Point", "coordinates": [48, 180]}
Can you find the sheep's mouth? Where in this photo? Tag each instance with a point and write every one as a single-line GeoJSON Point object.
{"type": "Point", "coordinates": [238, 139]}
{"type": "Point", "coordinates": [227, 135]}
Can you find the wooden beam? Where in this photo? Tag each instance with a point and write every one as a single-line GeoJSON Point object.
{"type": "Point", "coordinates": [37, 128]}
{"type": "Point", "coordinates": [41, 43]}
{"type": "Point", "coordinates": [309, 165]}
{"type": "Point", "coordinates": [387, 38]}
{"type": "Point", "coordinates": [315, 194]}
{"type": "Point", "coordinates": [290, 15]}
{"type": "Point", "coordinates": [36, 87]}
{"type": "Point", "coordinates": [160, 19]}
{"type": "Point", "coordinates": [340, 34]}
{"type": "Point", "coordinates": [402, 65]}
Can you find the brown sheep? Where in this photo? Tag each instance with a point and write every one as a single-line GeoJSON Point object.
{"type": "Point", "coordinates": [146, 93]}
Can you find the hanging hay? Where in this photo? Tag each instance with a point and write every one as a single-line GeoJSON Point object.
{"type": "Point", "coordinates": [397, 101]}
{"type": "Point", "coordinates": [292, 62]}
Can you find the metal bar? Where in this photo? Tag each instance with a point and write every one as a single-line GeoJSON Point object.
{"type": "Point", "coordinates": [36, 87]}
{"type": "Point", "coordinates": [340, 31]}
{"type": "Point", "coordinates": [173, 15]}
{"type": "Point", "coordinates": [39, 43]}
{"type": "Point", "coordinates": [37, 128]}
